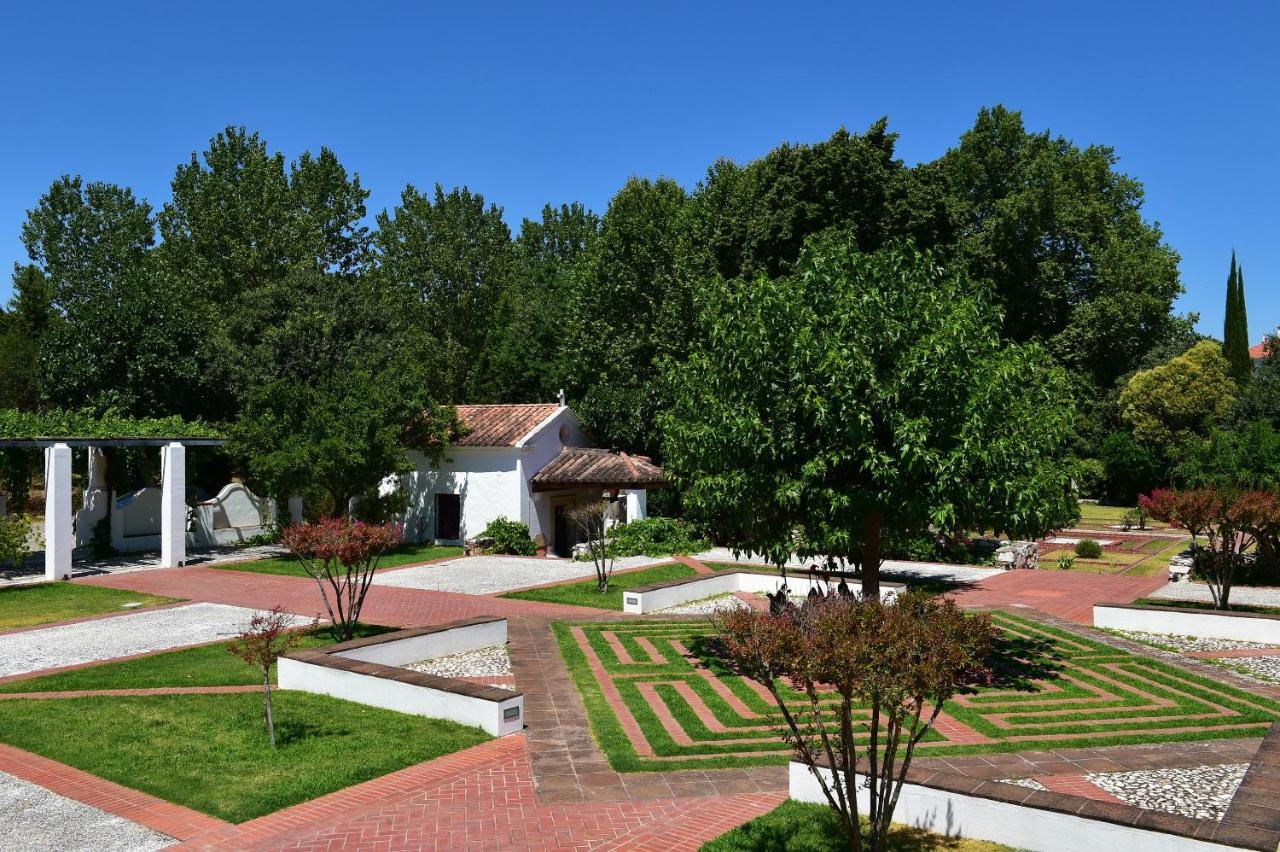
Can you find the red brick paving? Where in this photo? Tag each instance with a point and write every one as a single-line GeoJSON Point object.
{"type": "Point", "coordinates": [1076, 785]}
{"type": "Point", "coordinates": [155, 814]}
{"type": "Point", "coordinates": [387, 605]}
{"type": "Point", "coordinates": [483, 798]}
{"type": "Point", "coordinates": [1065, 594]}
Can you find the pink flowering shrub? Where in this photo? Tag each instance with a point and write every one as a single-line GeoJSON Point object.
{"type": "Point", "coordinates": [341, 555]}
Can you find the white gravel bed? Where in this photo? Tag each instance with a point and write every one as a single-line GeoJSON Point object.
{"type": "Point", "coordinates": [1023, 782]}
{"type": "Point", "coordinates": [485, 575]}
{"type": "Point", "coordinates": [1189, 590]}
{"type": "Point", "coordinates": [493, 661]}
{"type": "Point", "coordinates": [1173, 642]}
{"type": "Point", "coordinates": [121, 636]}
{"type": "Point", "coordinates": [901, 570]}
{"type": "Point", "coordinates": [32, 817]}
{"type": "Point", "coordinates": [1260, 669]}
{"type": "Point", "coordinates": [1202, 792]}
{"type": "Point", "coordinates": [706, 606]}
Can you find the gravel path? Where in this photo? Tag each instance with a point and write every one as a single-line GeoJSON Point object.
{"type": "Point", "coordinates": [1172, 642]}
{"type": "Point", "coordinates": [1262, 669]}
{"type": "Point", "coordinates": [1203, 792]}
{"type": "Point", "coordinates": [485, 575]}
{"type": "Point", "coordinates": [482, 662]}
{"type": "Point", "coordinates": [706, 606]}
{"type": "Point", "coordinates": [1193, 591]}
{"type": "Point", "coordinates": [898, 569]}
{"type": "Point", "coordinates": [121, 636]}
{"type": "Point", "coordinates": [1024, 782]}
{"type": "Point", "coordinates": [32, 817]}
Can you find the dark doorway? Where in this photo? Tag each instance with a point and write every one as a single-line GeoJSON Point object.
{"type": "Point", "coordinates": [562, 544]}
{"type": "Point", "coordinates": [448, 517]}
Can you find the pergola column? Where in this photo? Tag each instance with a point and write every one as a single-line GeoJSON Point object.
{"type": "Point", "coordinates": [58, 538]}
{"type": "Point", "coordinates": [173, 505]}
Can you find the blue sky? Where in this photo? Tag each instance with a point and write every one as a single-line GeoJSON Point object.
{"type": "Point", "coordinates": [536, 102]}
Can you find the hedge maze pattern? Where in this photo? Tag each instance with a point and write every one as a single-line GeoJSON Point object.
{"type": "Point", "coordinates": [658, 698]}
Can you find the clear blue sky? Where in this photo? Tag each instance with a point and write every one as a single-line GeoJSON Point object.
{"type": "Point", "coordinates": [536, 102]}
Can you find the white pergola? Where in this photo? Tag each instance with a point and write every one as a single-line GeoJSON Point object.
{"type": "Point", "coordinates": [59, 538]}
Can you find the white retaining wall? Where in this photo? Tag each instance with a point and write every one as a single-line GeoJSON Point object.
{"type": "Point", "coordinates": [957, 814]}
{"type": "Point", "coordinates": [497, 718]}
{"type": "Point", "coordinates": [1188, 623]}
{"type": "Point", "coordinates": [727, 582]}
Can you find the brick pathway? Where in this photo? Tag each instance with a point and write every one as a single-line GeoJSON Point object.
{"type": "Point", "coordinates": [483, 798]}
{"type": "Point", "coordinates": [387, 605]}
{"type": "Point", "coordinates": [1065, 594]}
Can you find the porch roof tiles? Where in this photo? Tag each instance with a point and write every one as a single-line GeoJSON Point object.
{"type": "Point", "coordinates": [588, 466]}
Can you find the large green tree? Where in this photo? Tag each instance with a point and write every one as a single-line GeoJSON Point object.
{"type": "Point", "coordinates": [521, 360]}
{"type": "Point", "coordinates": [1260, 398]}
{"type": "Point", "coordinates": [863, 397]}
{"type": "Point", "coordinates": [1059, 232]}
{"type": "Point", "coordinates": [629, 309]}
{"type": "Point", "coordinates": [1180, 400]}
{"type": "Point", "coordinates": [456, 254]}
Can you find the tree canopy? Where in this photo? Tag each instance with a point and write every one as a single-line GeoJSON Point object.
{"type": "Point", "coordinates": [1179, 400]}
{"type": "Point", "coordinates": [864, 396]}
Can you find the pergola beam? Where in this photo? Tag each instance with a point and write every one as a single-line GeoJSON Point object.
{"type": "Point", "coordinates": [30, 443]}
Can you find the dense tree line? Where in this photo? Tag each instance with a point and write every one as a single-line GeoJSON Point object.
{"type": "Point", "coordinates": [262, 293]}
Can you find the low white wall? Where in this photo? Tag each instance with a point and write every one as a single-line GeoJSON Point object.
{"type": "Point", "coordinates": [956, 814]}
{"type": "Point", "coordinates": [1182, 623]}
{"type": "Point", "coordinates": [726, 582]}
{"type": "Point", "coordinates": [455, 640]}
{"type": "Point", "coordinates": [497, 718]}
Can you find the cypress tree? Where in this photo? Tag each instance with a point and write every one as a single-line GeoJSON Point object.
{"type": "Point", "coordinates": [1235, 329]}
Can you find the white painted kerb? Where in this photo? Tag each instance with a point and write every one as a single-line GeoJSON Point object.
{"type": "Point", "coordinates": [726, 582]}
{"type": "Point", "coordinates": [1188, 623]}
{"type": "Point", "coordinates": [957, 814]}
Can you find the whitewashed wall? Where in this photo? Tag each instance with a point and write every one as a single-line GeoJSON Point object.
{"type": "Point", "coordinates": [562, 430]}
{"type": "Point", "coordinates": [1187, 623]}
{"type": "Point", "coordinates": [487, 480]}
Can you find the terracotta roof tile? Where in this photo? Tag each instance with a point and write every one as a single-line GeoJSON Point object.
{"type": "Point", "coordinates": [604, 468]}
{"type": "Point", "coordinates": [500, 425]}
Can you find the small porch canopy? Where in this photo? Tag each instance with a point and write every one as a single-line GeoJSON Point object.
{"type": "Point", "coordinates": [59, 538]}
{"type": "Point", "coordinates": [608, 470]}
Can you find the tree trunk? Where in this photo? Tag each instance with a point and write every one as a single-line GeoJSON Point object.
{"type": "Point", "coordinates": [871, 556]}
{"type": "Point", "coordinates": [266, 707]}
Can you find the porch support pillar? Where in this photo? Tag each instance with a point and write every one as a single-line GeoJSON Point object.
{"type": "Point", "coordinates": [637, 505]}
{"type": "Point", "coordinates": [58, 539]}
{"type": "Point", "coordinates": [173, 505]}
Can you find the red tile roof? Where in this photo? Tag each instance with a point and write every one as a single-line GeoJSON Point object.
{"type": "Point", "coordinates": [1258, 351]}
{"type": "Point", "coordinates": [577, 466]}
{"type": "Point", "coordinates": [500, 425]}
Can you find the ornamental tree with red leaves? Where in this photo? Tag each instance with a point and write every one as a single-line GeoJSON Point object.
{"type": "Point", "coordinates": [890, 669]}
{"type": "Point", "coordinates": [1233, 521]}
{"type": "Point", "coordinates": [341, 555]}
{"type": "Point", "coordinates": [269, 636]}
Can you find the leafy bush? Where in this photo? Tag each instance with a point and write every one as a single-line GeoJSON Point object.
{"type": "Point", "coordinates": [14, 532]}
{"type": "Point", "coordinates": [1135, 518]}
{"type": "Point", "coordinates": [1088, 548]}
{"type": "Point", "coordinates": [655, 537]}
{"type": "Point", "coordinates": [511, 537]}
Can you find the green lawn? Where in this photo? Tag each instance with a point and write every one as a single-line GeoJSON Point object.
{"type": "Point", "coordinates": [585, 593]}
{"type": "Point", "coordinates": [799, 827]}
{"type": "Point", "coordinates": [289, 566]}
{"type": "Point", "coordinates": [41, 603]}
{"type": "Point", "coordinates": [210, 752]}
{"type": "Point", "coordinates": [205, 665]}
